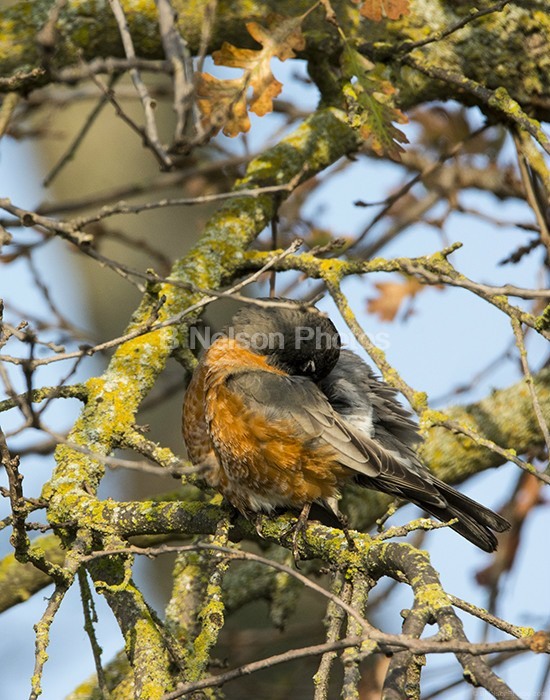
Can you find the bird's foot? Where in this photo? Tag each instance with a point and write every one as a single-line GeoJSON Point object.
{"type": "Point", "coordinates": [298, 529]}
{"type": "Point", "coordinates": [258, 521]}
{"type": "Point", "coordinates": [342, 519]}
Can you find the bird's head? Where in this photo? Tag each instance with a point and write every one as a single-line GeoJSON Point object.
{"type": "Point", "coordinates": [294, 337]}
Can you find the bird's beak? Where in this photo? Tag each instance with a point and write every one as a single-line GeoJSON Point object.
{"type": "Point", "coordinates": [309, 367]}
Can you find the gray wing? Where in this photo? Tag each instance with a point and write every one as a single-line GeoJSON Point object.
{"type": "Point", "coordinates": [357, 393]}
{"type": "Point", "coordinates": [300, 401]}
{"type": "Point", "coordinates": [384, 426]}
{"type": "Point", "coordinates": [388, 465]}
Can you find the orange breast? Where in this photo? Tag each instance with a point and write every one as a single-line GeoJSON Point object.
{"type": "Point", "coordinates": [260, 464]}
{"type": "Point", "coordinates": [195, 431]}
{"type": "Point", "coordinates": [265, 465]}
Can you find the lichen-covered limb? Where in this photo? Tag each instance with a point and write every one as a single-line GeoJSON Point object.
{"type": "Point", "coordinates": [210, 611]}
{"type": "Point", "coordinates": [46, 393]}
{"type": "Point", "coordinates": [406, 563]}
{"type": "Point", "coordinates": [242, 584]}
{"type": "Point", "coordinates": [334, 618]}
{"type": "Point", "coordinates": [19, 581]}
{"type": "Point", "coordinates": [497, 100]}
{"type": "Point", "coordinates": [428, 269]}
{"type": "Point", "coordinates": [403, 675]}
{"type": "Point", "coordinates": [151, 651]}
{"type": "Point", "coordinates": [507, 49]}
{"type": "Point", "coordinates": [375, 559]}
{"type": "Point", "coordinates": [117, 679]}
{"type": "Point", "coordinates": [361, 586]}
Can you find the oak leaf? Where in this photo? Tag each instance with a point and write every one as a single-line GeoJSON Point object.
{"type": "Point", "coordinates": [369, 98]}
{"type": "Point", "coordinates": [225, 103]}
{"type": "Point", "coordinates": [391, 296]}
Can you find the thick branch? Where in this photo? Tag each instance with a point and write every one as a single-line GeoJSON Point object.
{"type": "Point", "coordinates": [18, 582]}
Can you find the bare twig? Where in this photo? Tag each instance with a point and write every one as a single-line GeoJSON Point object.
{"type": "Point", "coordinates": [150, 132]}
{"type": "Point", "coordinates": [79, 138]}
{"type": "Point", "coordinates": [407, 46]}
{"type": "Point", "coordinates": [177, 53]}
{"type": "Point", "coordinates": [125, 208]}
{"type": "Point", "coordinates": [151, 324]}
{"type": "Point", "coordinates": [528, 177]}
{"type": "Point", "coordinates": [507, 454]}
{"type": "Point", "coordinates": [90, 617]}
{"type": "Point", "coordinates": [497, 622]}
{"type": "Point", "coordinates": [389, 202]}
{"type": "Point", "coordinates": [520, 340]}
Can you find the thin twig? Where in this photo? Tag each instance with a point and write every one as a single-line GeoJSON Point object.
{"type": "Point", "coordinates": [527, 176]}
{"type": "Point", "coordinates": [79, 138]}
{"type": "Point", "coordinates": [90, 616]}
{"type": "Point", "coordinates": [493, 620]}
{"type": "Point", "coordinates": [125, 208]}
{"type": "Point", "coordinates": [177, 53]}
{"type": "Point", "coordinates": [174, 467]}
{"type": "Point", "coordinates": [151, 131]}
{"type": "Point", "coordinates": [507, 454]}
{"type": "Point", "coordinates": [404, 189]}
{"type": "Point", "coordinates": [407, 46]}
{"type": "Point", "coordinates": [151, 325]}
{"type": "Point", "coordinates": [110, 66]}
{"type": "Point", "coordinates": [520, 340]}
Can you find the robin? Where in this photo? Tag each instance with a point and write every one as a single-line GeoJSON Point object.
{"type": "Point", "coordinates": [282, 417]}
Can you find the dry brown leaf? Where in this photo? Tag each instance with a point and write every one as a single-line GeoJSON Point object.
{"type": "Point", "coordinates": [283, 38]}
{"type": "Point", "coordinates": [391, 296]}
{"type": "Point", "coordinates": [224, 103]}
{"type": "Point", "coordinates": [376, 10]}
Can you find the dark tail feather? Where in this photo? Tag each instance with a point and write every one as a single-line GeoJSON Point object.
{"type": "Point", "coordinates": [475, 522]}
